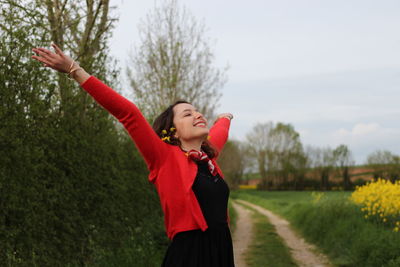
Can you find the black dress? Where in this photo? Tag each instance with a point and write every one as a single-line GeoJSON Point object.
{"type": "Point", "coordinates": [213, 247]}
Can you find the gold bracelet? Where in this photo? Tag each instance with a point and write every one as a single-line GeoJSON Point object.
{"type": "Point", "coordinates": [72, 71]}
{"type": "Point", "coordinates": [70, 67]}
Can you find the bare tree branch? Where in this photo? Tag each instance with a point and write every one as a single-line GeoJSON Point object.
{"type": "Point", "coordinates": [174, 61]}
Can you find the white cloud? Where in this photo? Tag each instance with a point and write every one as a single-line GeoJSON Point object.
{"type": "Point", "coordinates": [364, 138]}
{"type": "Point", "coordinates": [363, 129]}
{"type": "Point", "coordinates": [360, 129]}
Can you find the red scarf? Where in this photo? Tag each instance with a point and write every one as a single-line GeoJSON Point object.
{"type": "Point", "coordinates": [202, 156]}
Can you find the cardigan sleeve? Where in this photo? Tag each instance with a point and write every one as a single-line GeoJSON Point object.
{"type": "Point", "coordinates": [147, 141]}
{"type": "Point", "coordinates": [219, 133]}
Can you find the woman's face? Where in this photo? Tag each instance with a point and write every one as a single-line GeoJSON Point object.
{"type": "Point", "coordinates": [189, 123]}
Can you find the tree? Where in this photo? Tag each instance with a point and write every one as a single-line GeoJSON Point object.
{"type": "Point", "coordinates": [323, 162]}
{"type": "Point", "coordinates": [287, 155]}
{"type": "Point", "coordinates": [71, 185]}
{"type": "Point", "coordinates": [173, 62]}
{"type": "Point", "coordinates": [258, 145]}
{"type": "Point", "coordinates": [344, 160]}
{"type": "Point", "coordinates": [83, 29]}
{"type": "Point", "coordinates": [279, 155]}
{"type": "Point", "coordinates": [385, 164]}
{"type": "Point", "coordinates": [232, 163]}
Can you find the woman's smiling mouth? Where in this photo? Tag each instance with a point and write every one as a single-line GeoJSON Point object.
{"type": "Point", "coordinates": [200, 124]}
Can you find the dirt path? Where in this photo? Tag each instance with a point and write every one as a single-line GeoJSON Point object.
{"type": "Point", "coordinates": [243, 234]}
{"type": "Point", "coordinates": [302, 252]}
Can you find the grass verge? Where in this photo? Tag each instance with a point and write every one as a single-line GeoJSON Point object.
{"type": "Point", "coordinates": [232, 216]}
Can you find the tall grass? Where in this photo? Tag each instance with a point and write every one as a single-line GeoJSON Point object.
{"type": "Point", "coordinates": [232, 216]}
{"type": "Point", "coordinates": [334, 224]}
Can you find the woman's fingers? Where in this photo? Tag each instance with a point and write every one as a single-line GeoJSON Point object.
{"type": "Point", "coordinates": [43, 54]}
{"type": "Point", "coordinates": [43, 60]}
{"type": "Point", "coordinates": [46, 51]}
{"type": "Point", "coordinates": [57, 49]}
{"type": "Point", "coordinates": [57, 60]}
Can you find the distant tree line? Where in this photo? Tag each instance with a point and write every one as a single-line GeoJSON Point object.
{"type": "Point", "coordinates": [274, 151]}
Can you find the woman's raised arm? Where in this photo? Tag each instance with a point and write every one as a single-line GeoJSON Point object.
{"type": "Point", "coordinates": [147, 141]}
{"type": "Point", "coordinates": [220, 130]}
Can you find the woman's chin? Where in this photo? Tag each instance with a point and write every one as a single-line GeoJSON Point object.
{"type": "Point", "coordinates": [199, 134]}
{"type": "Point", "coordinates": [206, 131]}
{"type": "Point", "coordinates": [205, 135]}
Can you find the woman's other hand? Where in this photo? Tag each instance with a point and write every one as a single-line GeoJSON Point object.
{"type": "Point", "coordinates": [225, 115]}
{"type": "Point", "coordinates": [58, 60]}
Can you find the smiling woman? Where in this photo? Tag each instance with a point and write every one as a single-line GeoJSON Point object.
{"type": "Point", "coordinates": [180, 152]}
{"type": "Point", "coordinates": [182, 125]}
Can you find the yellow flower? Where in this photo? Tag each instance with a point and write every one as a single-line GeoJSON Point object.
{"type": "Point", "coordinates": [380, 198]}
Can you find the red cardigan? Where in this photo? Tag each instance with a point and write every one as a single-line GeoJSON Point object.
{"type": "Point", "coordinates": [171, 171]}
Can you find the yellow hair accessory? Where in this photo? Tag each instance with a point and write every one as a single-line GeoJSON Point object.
{"type": "Point", "coordinates": [166, 138]}
{"type": "Point", "coordinates": [164, 131]}
{"type": "Point", "coordinates": [172, 129]}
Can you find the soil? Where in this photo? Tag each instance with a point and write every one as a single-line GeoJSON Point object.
{"type": "Point", "coordinates": [243, 234]}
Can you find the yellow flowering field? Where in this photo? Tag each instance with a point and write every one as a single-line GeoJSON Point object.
{"type": "Point", "coordinates": [244, 186]}
{"type": "Point", "coordinates": [380, 200]}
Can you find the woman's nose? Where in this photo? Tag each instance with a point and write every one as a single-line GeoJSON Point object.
{"type": "Point", "coordinates": [199, 115]}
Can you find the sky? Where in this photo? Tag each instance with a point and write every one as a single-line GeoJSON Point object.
{"type": "Point", "coordinates": [330, 68]}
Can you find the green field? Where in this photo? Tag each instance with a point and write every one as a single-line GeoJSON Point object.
{"type": "Point", "coordinates": [334, 224]}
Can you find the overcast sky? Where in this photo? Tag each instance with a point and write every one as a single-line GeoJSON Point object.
{"type": "Point", "coordinates": [331, 68]}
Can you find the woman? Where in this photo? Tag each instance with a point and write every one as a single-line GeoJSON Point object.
{"type": "Point", "coordinates": [180, 153]}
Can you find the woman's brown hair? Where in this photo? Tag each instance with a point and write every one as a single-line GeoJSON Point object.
{"type": "Point", "coordinates": [163, 125]}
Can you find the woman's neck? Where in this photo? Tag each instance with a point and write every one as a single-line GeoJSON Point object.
{"type": "Point", "coordinates": [193, 144]}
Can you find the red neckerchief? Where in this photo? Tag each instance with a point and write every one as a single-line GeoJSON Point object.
{"type": "Point", "coordinates": [202, 156]}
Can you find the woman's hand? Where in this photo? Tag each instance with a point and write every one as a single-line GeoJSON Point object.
{"type": "Point", "coordinates": [225, 115]}
{"type": "Point", "coordinates": [61, 62]}
{"type": "Point", "coordinates": [58, 60]}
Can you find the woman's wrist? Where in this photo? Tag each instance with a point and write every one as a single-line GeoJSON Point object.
{"type": "Point", "coordinates": [77, 73]}
{"type": "Point", "coordinates": [81, 76]}
{"type": "Point", "coordinates": [230, 116]}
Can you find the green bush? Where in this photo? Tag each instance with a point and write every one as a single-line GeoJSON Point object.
{"type": "Point", "coordinates": [73, 188]}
